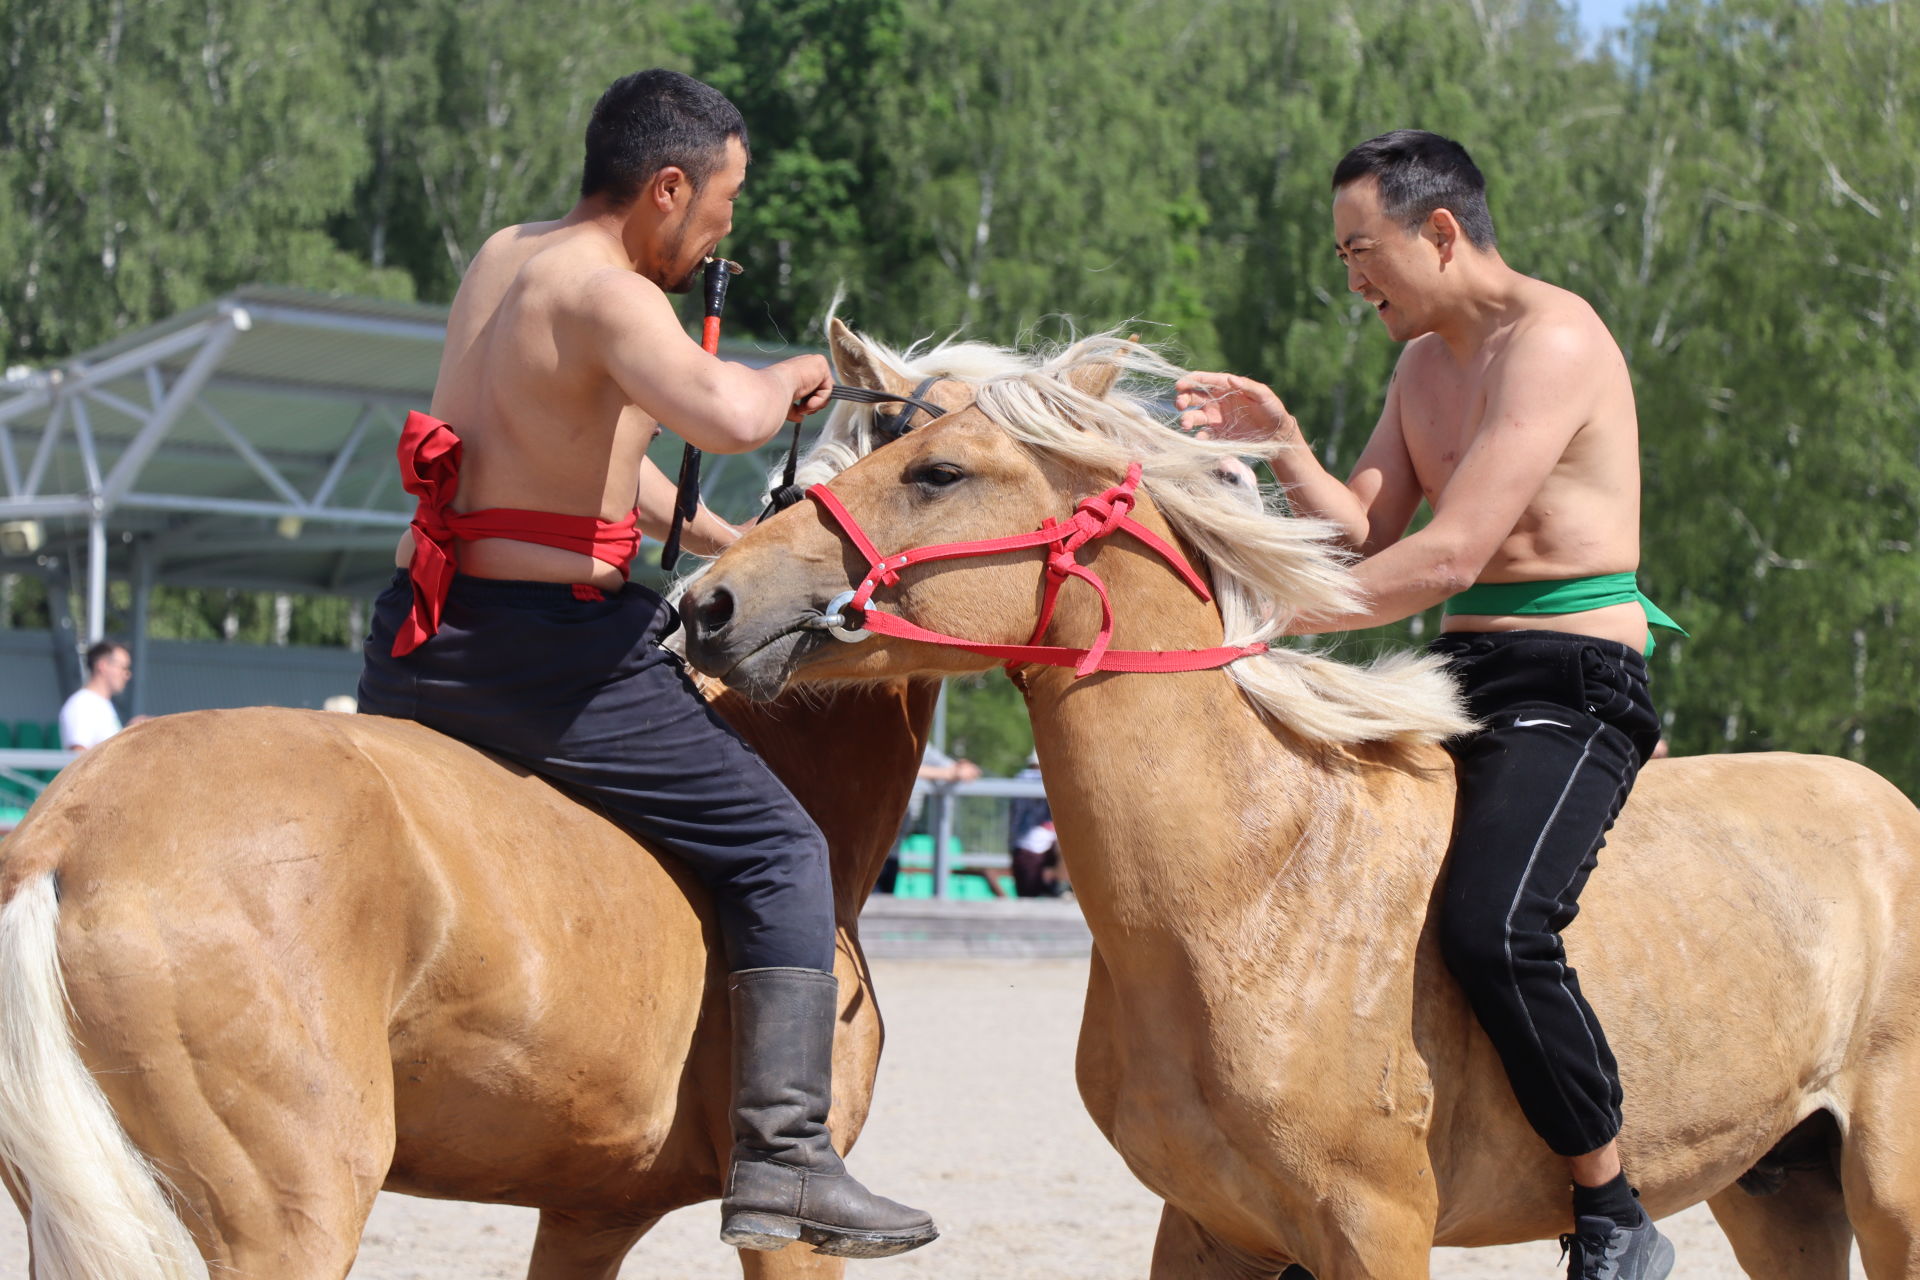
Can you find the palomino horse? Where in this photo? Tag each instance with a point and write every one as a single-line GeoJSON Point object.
{"type": "Point", "coordinates": [309, 956]}
{"type": "Point", "coordinates": [1271, 1040]}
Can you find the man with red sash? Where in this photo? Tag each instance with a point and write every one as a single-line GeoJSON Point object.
{"type": "Point", "coordinates": [511, 625]}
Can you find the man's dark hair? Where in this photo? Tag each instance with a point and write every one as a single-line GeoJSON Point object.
{"type": "Point", "coordinates": [1419, 172]}
{"type": "Point", "coordinates": [99, 651]}
{"type": "Point", "coordinates": [649, 120]}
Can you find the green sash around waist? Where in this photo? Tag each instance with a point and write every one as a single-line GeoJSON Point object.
{"type": "Point", "coordinates": [1563, 595]}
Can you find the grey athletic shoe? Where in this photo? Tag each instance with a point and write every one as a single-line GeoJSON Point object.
{"type": "Point", "coordinates": [1602, 1249]}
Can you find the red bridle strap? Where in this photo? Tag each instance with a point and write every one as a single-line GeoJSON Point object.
{"type": "Point", "coordinates": [1096, 517]}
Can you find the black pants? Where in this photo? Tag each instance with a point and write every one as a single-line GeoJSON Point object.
{"type": "Point", "coordinates": [580, 691]}
{"type": "Point", "coordinates": [1568, 725]}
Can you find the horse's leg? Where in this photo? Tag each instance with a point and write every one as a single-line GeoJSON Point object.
{"type": "Point", "coordinates": [1375, 1237]}
{"type": "Point", "coordinates": [584, 1246]}
{"type": "Point", "coordinates": [272, 1121]}
{"type": "Point", "coordinates": [1185, 1250]}
{"type": "Point", "coordinates": [25, 1207]}
{"type": "Point", "coordinates": [287, 1207]}
{"type": "Point", "coordinates": [1880, 1174]}
{"type": "Point", "coordinates": [795, 1262]}
{"type": "Point", "coordinates": [1799, 1232]}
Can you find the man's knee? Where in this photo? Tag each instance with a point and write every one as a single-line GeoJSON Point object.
{"type": "Point", "coordinates": [1474, 945]}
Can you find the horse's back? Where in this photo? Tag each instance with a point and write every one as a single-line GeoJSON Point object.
{"type": "Point", "coordinates": [1745, 943]}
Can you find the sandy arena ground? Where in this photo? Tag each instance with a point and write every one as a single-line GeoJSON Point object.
{"type": "Point", "coordinates": [976, 1118]}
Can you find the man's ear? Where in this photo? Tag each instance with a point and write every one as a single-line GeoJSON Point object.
{"type": "Point", "coordinates": [667, 187]}
{"type": "Point", "coordinates": [854, 365]}
{"type": "Point", "coordinates": [1443, 233]}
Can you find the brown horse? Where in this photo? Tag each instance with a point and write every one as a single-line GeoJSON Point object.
{"type": "Point", "coordinates": [310, 956]}
{"type": "Point", "coordinates": [1271, 1038]}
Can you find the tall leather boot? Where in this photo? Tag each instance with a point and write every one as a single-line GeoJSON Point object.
{"type": "Point", "coordinates": [787, 1182]}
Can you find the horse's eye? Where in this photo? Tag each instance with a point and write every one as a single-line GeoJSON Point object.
{"type": "Point", "coordinates": [937, 475]}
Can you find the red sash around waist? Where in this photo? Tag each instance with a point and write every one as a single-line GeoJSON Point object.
{"type": "Point", "coordinates": [430, 470]}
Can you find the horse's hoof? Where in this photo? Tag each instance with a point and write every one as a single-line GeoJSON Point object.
{"type": "Point", "coordinates": [759, 1231]}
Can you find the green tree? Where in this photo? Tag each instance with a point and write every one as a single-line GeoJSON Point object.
{"type": "Point", "coordinates": [153, 155]}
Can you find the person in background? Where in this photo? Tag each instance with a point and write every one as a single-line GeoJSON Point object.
{"type": "Point", "coordinates": [88, 719]}
{"type": "Point", "coordinates": [1032, 843]}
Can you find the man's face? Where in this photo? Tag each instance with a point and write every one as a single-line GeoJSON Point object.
{"type": "Point", "coordinates": [116, 669]}
{"type": "Point", "coordinates": [1392, 268]}
{"type": "Point", "coordinates": [703, 221]}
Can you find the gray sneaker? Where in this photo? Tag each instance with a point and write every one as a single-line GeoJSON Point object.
{"type": "Point", "coordinates": [1602, 1249]}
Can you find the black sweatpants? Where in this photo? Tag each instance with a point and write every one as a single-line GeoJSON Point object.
{"type": "Point", "coordinates": [1568, 724]}
{"type": "Point", "coordinates": [581, 692]}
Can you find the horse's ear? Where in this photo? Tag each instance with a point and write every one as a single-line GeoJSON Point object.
{"type": "Point", "coordinates": [852, 363]}
{"type": "Point", "coordinates": [849, 355]}
{"type": "Point", "coordinates": [1093, 378]}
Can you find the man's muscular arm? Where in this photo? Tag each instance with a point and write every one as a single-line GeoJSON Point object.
{"type": "Point", "coordinates": [1539, 395]}
{"type": "Point", "coordinates": [628, 325]}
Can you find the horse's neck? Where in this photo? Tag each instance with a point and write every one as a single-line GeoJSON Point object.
{"type": "Point", "coordinates": [1190, 824]}
{"type": "Point", "coordinates": [850, 753]}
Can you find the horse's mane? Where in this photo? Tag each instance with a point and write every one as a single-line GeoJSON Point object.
{"type": "Point", "coordinates": [1269, 569]}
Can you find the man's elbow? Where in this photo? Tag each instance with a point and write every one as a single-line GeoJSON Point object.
{"type": "Point", "coordinates": [1457, 568]}
{"type": "Point", "coordinates": [735, 432]}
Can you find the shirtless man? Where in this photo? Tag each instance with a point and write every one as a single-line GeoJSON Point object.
{"type": "Point", "coordinates": [510, 623]}
{"type": "Point", "coordinates": [1511, 413]}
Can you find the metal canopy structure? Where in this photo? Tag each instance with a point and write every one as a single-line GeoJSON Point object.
{"type": "Point", "coordinates": [248, 444]}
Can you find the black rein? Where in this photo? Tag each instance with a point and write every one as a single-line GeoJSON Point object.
{"type": "Point", "coordinates": [890, 427]}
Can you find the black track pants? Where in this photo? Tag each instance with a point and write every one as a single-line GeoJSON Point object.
{"type": "Point", "coordinates": [580, 691]}
{"type": "Point", "coordinates": [1568, 725]}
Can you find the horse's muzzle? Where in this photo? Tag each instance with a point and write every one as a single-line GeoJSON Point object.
{"type": "Point", "coordinates": [707, 614]}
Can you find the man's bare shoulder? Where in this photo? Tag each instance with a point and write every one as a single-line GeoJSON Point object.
{"type": "Point", "coordinates": [1418, 360]}
{"type": "Point", "coordinates": [508, 249]}
{"type": "Point", "coordinates": [1558, 323]}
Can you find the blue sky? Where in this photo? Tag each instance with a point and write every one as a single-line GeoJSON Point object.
{"type": "Point", "coordinates": [1601, 15]}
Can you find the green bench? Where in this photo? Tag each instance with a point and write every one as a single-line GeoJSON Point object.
{"type": "Point", "coordinates": [25, 735]}
{"type": "Point", "coordinates": [967, 884]}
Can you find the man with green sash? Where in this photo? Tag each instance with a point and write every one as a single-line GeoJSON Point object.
{"type": "Point", "coordinates": [1511, 413]}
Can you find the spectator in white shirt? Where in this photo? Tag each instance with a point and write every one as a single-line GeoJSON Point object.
{"type": "Point", "coordinates": [88, 718]}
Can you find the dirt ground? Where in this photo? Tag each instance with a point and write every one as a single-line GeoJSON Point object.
{"type": "Point", "coordinates": [976, 1119]}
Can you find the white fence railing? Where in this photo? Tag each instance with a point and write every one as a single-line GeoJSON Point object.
{"type": "Point", "coordinates": [942, 798]}
{"type": "Point", "coordinates": [15, 766]}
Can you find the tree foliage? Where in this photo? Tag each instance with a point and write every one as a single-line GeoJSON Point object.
{"type": "Point", "coordinates": [1731, 182]}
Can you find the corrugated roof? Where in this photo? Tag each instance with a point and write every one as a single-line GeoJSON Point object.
{"type": "Point", "coordinates": [299, 376]}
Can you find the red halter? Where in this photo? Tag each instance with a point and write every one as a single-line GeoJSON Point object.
{"type": "Point", "coordinates": [1095, 517]}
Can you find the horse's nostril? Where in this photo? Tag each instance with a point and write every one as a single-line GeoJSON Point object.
{"type": "Point", "coordinates": [713, 611]}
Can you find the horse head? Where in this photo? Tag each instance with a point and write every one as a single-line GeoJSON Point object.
{"type": "Point", "coordinates": [1036, 438]}
{"type": "Point", "coordinates": [1048, 441]}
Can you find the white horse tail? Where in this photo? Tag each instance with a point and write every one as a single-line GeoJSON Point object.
{"type": "Point", "coordinates": [99, 1209]}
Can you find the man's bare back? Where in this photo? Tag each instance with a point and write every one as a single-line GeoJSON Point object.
{"type": "Point", "coordinates": [563, 354]}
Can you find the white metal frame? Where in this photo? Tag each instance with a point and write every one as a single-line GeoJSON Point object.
{"type": "Point", "coordinates": [68, 395]}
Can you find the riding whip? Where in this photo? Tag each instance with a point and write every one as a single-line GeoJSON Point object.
{"type": "Point", "coordinates": [686, 502]}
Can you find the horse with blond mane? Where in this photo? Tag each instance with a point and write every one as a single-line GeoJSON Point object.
{"type": "Point", "coordinates": [1271, 1038]}
{"type": "Point", "coordinates": [257, 965]}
